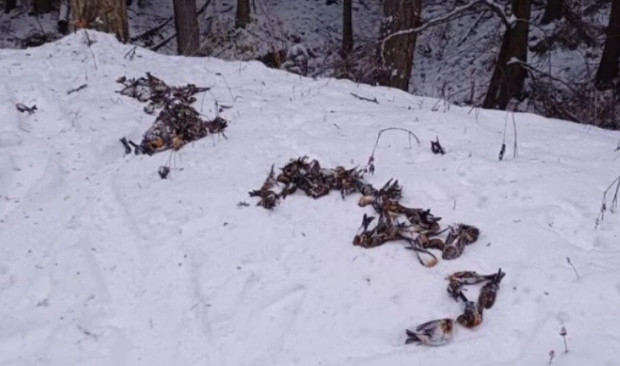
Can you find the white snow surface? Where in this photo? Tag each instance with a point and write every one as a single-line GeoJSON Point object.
{"type": "Point", "coordinates": [104, 263]}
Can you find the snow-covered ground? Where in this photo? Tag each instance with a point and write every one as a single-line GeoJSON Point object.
{"type": "Point", "coordinates": [104, 263]}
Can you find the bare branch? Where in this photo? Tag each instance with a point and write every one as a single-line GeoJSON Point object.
{"type": "Point", "coordinates": [532, 68]}
{"type": "Point", "coordinates": [495, 8]}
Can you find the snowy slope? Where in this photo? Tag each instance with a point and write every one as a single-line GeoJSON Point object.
{"type": "Point", "coordinates": [104, 263]}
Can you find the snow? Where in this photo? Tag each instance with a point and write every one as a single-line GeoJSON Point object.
{"type": "Point", "coordinates": [104, 263]}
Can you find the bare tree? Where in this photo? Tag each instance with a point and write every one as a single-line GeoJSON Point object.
{"type": "Point", "coordinates": [553, 11]}
{"type": "Point", "coordinates": [104, 15]}
{"type": "Point", "coordinates": [347, 27]}
{"type": "Point", "coordinates": [608, 68]}
{"type": "Point", "coordinates": [42, 6]}
{"type": "Point", "coordinates": [186, 24]}
{"type": "Point", "coordinates": [9, 5]}
{"type": "Point", "coordinates": [396, 53]}
{"type": "Point", "coordinates": [242, 18]}
{"type": "Point", "coordinates": [63, 17]}
{"type": "Point", "coordinates": [508, 77]}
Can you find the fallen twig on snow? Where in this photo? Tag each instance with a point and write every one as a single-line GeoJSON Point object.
{"type": "Point", "coordinates": [614, 201]}
{"type": "Point", "coordinates": [370, 166]}
{"type": "Point", "coordinates": [71, 91]}
{"type": "Point", "coordinates": [502, 150]}
{"type": "Point", "coordinates": [24, 108]}
{"type": "Point", "coordinates": [571, 264]}
{"type": "Point", "coordinates": [436, 147]}
{"type": "Point", "coordinates": [374, 100]}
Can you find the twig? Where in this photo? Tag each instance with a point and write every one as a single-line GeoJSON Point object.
{"type": "Point", "coordinates": [614, 201]}
{"type": "Point", "coordinates": [151, 31]}
{"type": "Point", "coordinates": [532, 68]}
{"type": "Point", "coordinates": [374, 100]}
{"type": "Point", "coordinates": [83, 86]}
{"type": "Point", "coordinates": [496, 8]}
{"type": "Point", "coordinates": [571, 264]}
{"type": "Point", "coordinates": [563, 333]}
{"type": "Point", "coordinates": [131, 53]}
{"type": "Point", "coordinates": [502, 150]}
{"type": "Point", "coordinates": [370, 167]}
{"type": "Point", "coordinates": [551, 356]}
{"type": "Point", "coordinates": [89, 42]}
{"type": "Point", "coordinates": [24, 108]}
{"type": "Point", "coordinates": [514, 127]}
{"type": "Point", "coordinates": [164, 42]}
{"type": "Point", "coordinates": [227, 86]}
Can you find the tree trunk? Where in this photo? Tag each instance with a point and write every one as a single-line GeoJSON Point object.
{"type": "Point", "coordinates": [553, 11]}
{"type": "Point", "coordinates": [242, 17]}
{"type": "Point", "coordinates": [396, 62]}
{"type": "Point", "coordinates": [347, 27]}
{"type": "Point", "coordinates": [186, 24]}
{"type": "Point", "coordinates": [608, 68]}
{"type": "Point", "coordinates": [508, 78]}
{"type": "Point", "coordinates": [63, 17]}
{"type": "Point", "coordinates": [9, 5]}
{"type": "Point", "coordinates": [108, 16]}
{"type": "Point", "coordinates": [42, 6]}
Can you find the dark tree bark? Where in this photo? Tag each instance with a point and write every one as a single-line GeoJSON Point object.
{"type": "Point", "coordinates": [63, 17]}
{"type": "Point", "coordinates": [42, 6]}
{"type": "Point", "coordinates": [553, 11]}
{"type": "Point", "coordinates": [108, 16]}
{"type": "Point", "coordinates": [396, 54]}
{"type": "Point", "coordinates": [9, 5]}
{"type": "Point", "coordinates": [508, 77]}
{"type": "Point", "coordinates": [242, 18]}
{"type": "Point", "coordinates": [347, 27]}
{"type": "Point", "coordinates": [608, 68]}
{"type": "Point", "coordinates": [186, 24]}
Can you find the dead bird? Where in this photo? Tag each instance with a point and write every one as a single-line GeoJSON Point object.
{"type": "Point", "coordinates": [431, 243]}
{"type": "Point", "coordinates": [434, 333]}
{"type": "Point", "coordinates": [472, 315]}
{"type": "Point", "coordinates": [269, 198]}
{"type": "Point", "coordinates": [454, 245]}
{"type": "Point", "coordinates": [469, 233]}
{"type": "Point", "coordinates": [458, 237]}
{"type": "Point", "coordinates": [488, 293]}
{"type": "Point", "coordinates": [454, 289]}
{"type": "Point", "coordinates": [470, 277]}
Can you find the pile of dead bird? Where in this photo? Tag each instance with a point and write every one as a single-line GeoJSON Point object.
{"type": "Point", "coordinates": [439, 332]}
{"type": "Point", "coordinates": [418, 228]}
{"type": "Point", "coordinates": [177, 124]}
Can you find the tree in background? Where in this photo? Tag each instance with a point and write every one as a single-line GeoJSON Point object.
{"type": "Point", "coordinates": [347, 27]}
{"type": "Point", "coordinates": [42, 6]}
{"type": "Point", "coordinates": [103, 15]}
{"type": "Point", "coordinates": [186, 24]}
{"type": "Point", "coordinates": [509, 74]}
{"type": "Point", "coordinates": [608, 68]}
{"type": "Point", "coordinates": [9, 5]}
{"type": "Point", "coordinates": [396, 51]}
{"type": "Point", "coordinates": [242, 18]}
{"type": "Point", "coordinates": [553, 11]}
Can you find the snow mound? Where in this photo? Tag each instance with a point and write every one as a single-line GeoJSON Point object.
{"type": "Point", "coordinates": [103, 263]}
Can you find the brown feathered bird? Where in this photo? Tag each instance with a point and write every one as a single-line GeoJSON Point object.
{"type": "Point", "coordinates": [488, 293]}
{"type": "Point", "coordinates": [472, 315]}
{"type": "Point", "coordinates": [434, 333]}
{"type": "Point", "coordinates": [470, 277]}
